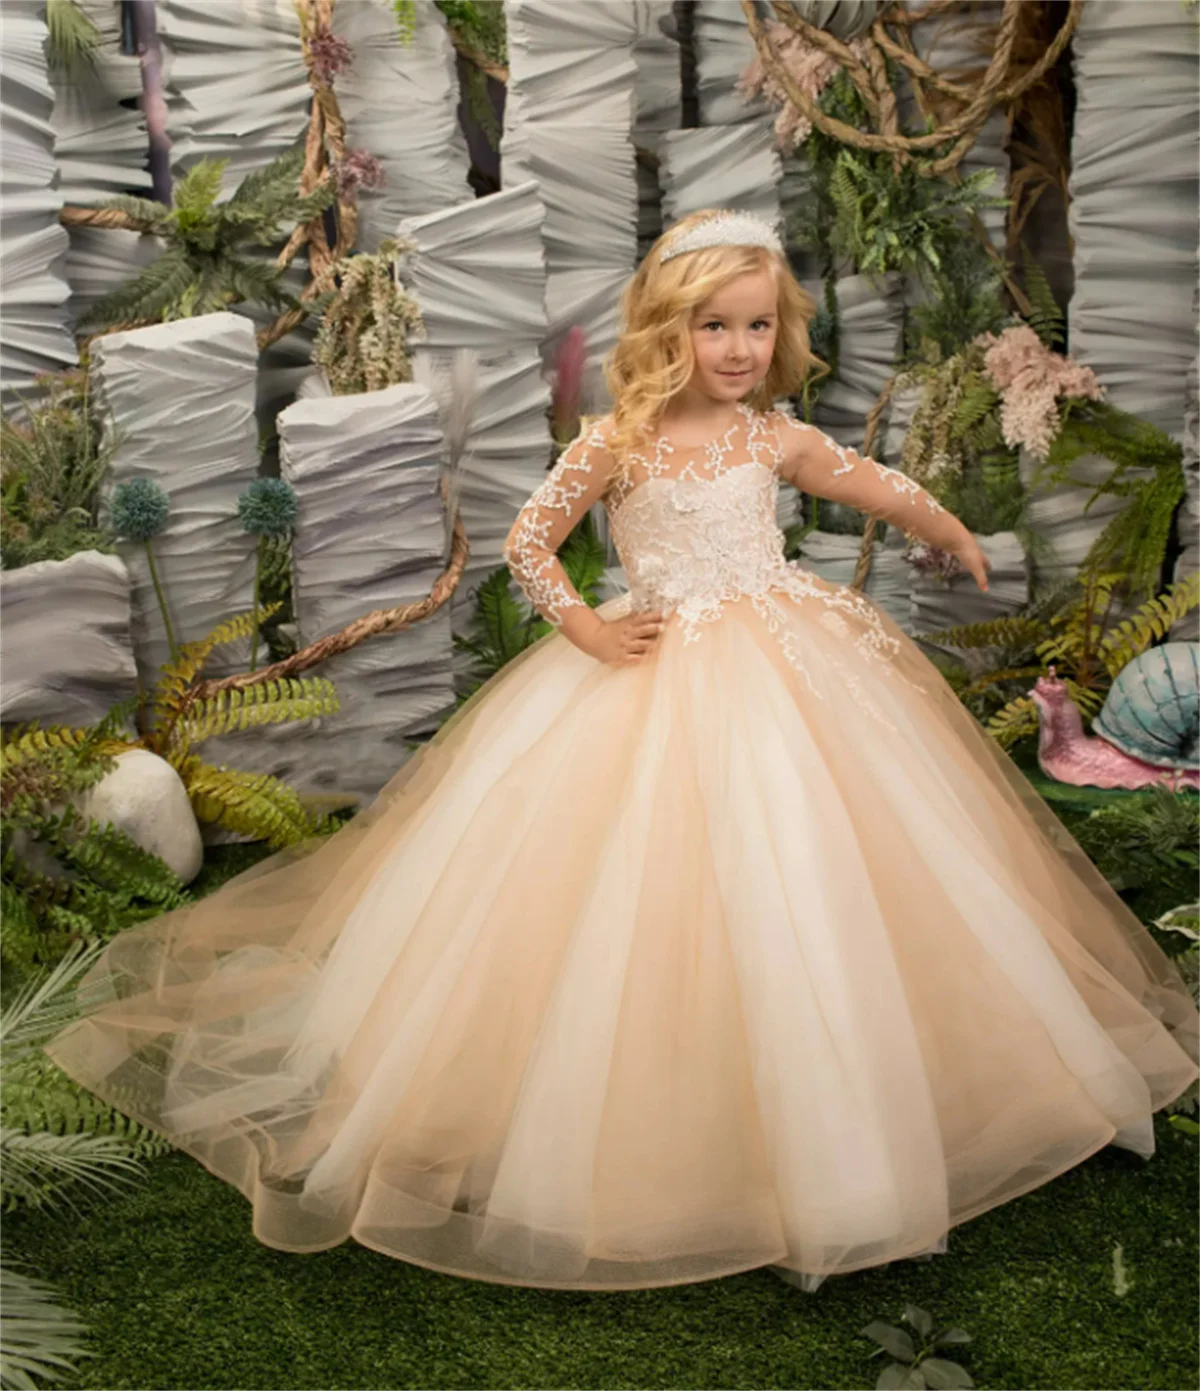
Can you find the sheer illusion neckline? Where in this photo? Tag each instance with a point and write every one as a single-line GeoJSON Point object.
{"type": "Point", "coordinates": [722, 439]}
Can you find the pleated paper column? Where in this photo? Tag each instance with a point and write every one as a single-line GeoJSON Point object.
{"type": "Point", "coordinates": [34, 334]}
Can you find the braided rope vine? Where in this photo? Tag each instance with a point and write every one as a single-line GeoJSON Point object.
{"type": "Point", "coordinates": [997, 87]}
{"type": "Point", "coordinates": [325, 144]}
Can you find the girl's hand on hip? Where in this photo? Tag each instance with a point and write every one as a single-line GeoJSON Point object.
{"type": "Point", "coordinates": [628, 641]}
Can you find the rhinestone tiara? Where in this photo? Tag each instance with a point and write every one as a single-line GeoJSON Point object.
{"type": "Point", "coordinates": [726, 228]}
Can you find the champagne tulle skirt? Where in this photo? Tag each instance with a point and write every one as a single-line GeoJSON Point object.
{"type": "Point", "coordinates": [640, 976]}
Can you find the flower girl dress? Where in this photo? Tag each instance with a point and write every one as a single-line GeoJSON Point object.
{"type": "Point", "coordinates": [758, 952]}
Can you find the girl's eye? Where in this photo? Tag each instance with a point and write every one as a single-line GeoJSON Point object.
{"type": "Point", "coordinates": [717, 323]}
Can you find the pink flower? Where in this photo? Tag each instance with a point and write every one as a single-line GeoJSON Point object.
{"type": "Point", "coordinates": [330, 54]}
{"type": "Point", "coordinates": [360, 169]}
{"type": "Point", "coordinates": [1030, 378]}
{"type": "Point", "coordinates": [810, 69]}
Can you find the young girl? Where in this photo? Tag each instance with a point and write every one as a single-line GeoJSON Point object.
{"type": "Point", "coordinates": [711, 933]}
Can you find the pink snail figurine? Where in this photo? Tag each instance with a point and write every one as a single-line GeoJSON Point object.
{"type": "Point", "coordinates": [1145, 733]}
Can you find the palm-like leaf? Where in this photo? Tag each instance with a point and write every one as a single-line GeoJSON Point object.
{"type": "Point", "coordinates": [44, 1004]}
{"type": "Point", "coordinates": [40, 1340]}
{"type": "Point", "coordinates": [43, 1168]}
{"type": "Point", "coordinates": [71, 38]}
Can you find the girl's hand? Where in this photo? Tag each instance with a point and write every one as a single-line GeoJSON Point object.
{"type": "Point", "coordinates": [626, 642]}
{"type": "Point", "coordinates": [974, 560]}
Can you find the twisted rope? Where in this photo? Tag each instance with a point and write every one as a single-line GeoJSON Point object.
{"type": "Point", "coordinates": [963, 128]}
{"type": "Point", "coordinates": [391, 620]}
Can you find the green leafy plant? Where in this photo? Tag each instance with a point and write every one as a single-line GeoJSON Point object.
{"type": "Point", "coordinates": [205, 266]}
{"type": "Point", "coordinates": [915, 1361]}
{"type": "Point", "coordinates": [1182, 923]}
{"type": "Point", "coordinates": [1135, 539]}
{"type": "Point", "coordinates": [1148, 841]}
{"type": "Point", "coordinates": [955, 447]}
{"type": "Point", "coordinates": [898, 220]}
{"type": "Point", "coordinates": [57, 1142]}
{"type": "Point", "coordinates": [54, 457]}
{"type": "Point", "coordinates": [267, 509]}
{"type": "Point", "coordinates": [72, 38]}
{"type": "Point", "coordinates": [1045, 316]}
{"type": "Point", "coordinates": [480, 27]}
{"type": "Point", "coordinates": [64, 877]}
{"type": "Point", "coordinates": [504, 625]}
{"type": "Point", "coordinates": [964, 300]}
{"type": "Point", "coordinates": [178, 716]}
{"type": "Point", "coordinates": [1076, 637]}
{"type": "Point", "coordinates": [139, 510]}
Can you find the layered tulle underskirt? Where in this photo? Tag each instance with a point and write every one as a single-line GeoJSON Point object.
{"type": "Point", "coordinates": [639, 976]}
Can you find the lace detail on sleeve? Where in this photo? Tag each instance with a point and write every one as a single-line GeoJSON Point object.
{"type": "Point", "coordinates": [578, 479]}
{"type": "Point", "coordinates": [829, 470]}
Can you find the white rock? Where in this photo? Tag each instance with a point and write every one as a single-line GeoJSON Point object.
{"type": "Point", "coordinates": [145, 797]}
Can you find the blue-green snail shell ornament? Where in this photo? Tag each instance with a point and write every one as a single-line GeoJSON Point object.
{"type": "Point", "coordinates": [1152, 711]}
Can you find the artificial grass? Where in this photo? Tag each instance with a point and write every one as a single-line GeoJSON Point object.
{"type": "Point", "coordinates": [177, 1293]}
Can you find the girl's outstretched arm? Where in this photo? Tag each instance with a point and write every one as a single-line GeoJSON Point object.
{"type": "Point", "coordinates": [820, 466]}
{"type": "Point", "coordinates": [578, 479]}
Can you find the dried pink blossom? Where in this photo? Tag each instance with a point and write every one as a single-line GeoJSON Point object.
{"type": "Point", "coordinates": [1030, 378]}
{"type": "Point", "coordinates": [932, 561]}
{"type": "Point", "coordinates": [330, 54]}
{"type": "Point", "coordinates": [569, 362]}
{"type": "Point", "coordinates": [360, 169]}
{"type": "Point", "coordinates": [810, 68]}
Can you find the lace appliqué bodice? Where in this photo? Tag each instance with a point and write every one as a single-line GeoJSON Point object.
{"type": "Point", "coordinates": [696, 529]}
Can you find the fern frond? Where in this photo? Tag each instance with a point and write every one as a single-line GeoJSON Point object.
{"type": "Point", "coordinates": [30, 741]}
{"type": "Point", "coordinates": [18, 927]}
{"type": "Point", "coordinates": [979, 398]}
{"type": "Point", "coordinates": [1153, 620]}
{"type": "Point", "coordinates": [1012, 631]}
{"type": "Point", "coordinates": [265, 702]}
{"type": "Point", "coordinates": [194, 196]}
{"type": "Point", "coordinates": [1045, 317]}
{"type": "Point", "coordinates": [153, 216]}
{"type": "Point", "coordinates": [991, 678]}
{"type": "Point", "coordinates": [1017, 720]}
{"type": "Point", "coordinates": [177, 676]}
{"type": "Point", "coordinates": [115, 860]}
{"type": "Point", "coordinates": [149, 294]}
{"type": "Point", "coordinates": [254, 804]}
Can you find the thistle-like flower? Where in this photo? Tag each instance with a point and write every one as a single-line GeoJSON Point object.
{"type": "Point", "coordinates": [139, 509]}
{"type": "Point", "coordinates": [267, 507]}
{"type": "Point", "coordinates": [138, 512]}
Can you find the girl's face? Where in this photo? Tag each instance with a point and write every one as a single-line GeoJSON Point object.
{"type": "Point", "coordinates": [733, 337]}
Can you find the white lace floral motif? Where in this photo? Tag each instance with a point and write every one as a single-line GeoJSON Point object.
{"type": "Point", "coordinates": [901, 484]}
{"type": "Point", "coordinates": [576, 481]}
{"type": "Point", "coordinates": [696, 529]}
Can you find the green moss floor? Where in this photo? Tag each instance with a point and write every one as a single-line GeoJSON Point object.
{"type": "Point", "coordinates": [177, 1293]}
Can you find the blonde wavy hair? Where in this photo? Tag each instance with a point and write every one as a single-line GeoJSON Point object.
{"type": "Point", "coordinates": [653, 358]}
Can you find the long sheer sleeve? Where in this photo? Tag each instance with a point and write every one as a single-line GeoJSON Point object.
{"type": "Point", "coordinates": [578, 479]}
{"type": "Point", "coordinates": [818, 465]}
